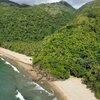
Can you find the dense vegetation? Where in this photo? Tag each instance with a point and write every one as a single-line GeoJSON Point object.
{"type": "Point", "coordinates": [75, 49]}
{"type": "Point", "coordinates": [59, 43]}
{"type": "Point", "coordinates": [32, 23]}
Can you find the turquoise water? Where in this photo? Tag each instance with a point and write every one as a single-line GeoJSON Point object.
{"type": "Point", "coordinates": [15, 85]}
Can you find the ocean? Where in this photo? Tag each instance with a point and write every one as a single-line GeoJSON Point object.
{"type": "Point", "coordinates": [16, 85]}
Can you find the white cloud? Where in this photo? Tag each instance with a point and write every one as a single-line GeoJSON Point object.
{"type": "Point", "coordinates": [30, 2]}
{"type": "Point", "coordinates": [77, 3]}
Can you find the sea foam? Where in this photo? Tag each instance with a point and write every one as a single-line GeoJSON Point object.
{"type": "Point", "coordinates": [38, 87]}
{"type": "Point", "coordinates": [19, 95]}
{"type": "Point", "coordinates": [14, 68]}
{"type": "Point", "coordinates": [2, 58]}
{"type": "Point", "coordinates": [55, 98]}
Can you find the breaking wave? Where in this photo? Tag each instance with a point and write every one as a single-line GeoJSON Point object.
{"type": "Point", "coordinates": [19, 95]}
{"type": "Point", "coordinates": [38, 87]}
{"type": "Point", "coordinates": [14, 68]}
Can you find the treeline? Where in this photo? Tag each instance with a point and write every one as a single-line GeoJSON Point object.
{"type": "Point", "coordinates": [26, 48]}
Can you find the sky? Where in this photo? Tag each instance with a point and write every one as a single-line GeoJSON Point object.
{"type": "Point", "coordinates": [75, 3]}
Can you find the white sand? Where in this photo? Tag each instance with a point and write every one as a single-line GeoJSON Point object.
{"type": "Point", "coordinates": [20, 57]}
{"type": "Point", "coordinates": [72, 88]}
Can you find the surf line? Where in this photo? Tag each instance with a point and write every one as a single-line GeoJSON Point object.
{"type": "Point", "coordinates": [19, 95]}
{"type": "Point", "coordinates": [38, 87]}
{"type": "Point", "coordinates": [2, 58]}
{"type": "Point", "coordinates": [14, 68]}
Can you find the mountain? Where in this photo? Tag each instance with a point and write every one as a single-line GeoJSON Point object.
{"type": "Point", "coordinates": [32, 23]}
{"type": "Point", "coordinates": [8, 1]}
{"type": "Point", "coordinates": [89, 16]}
{"type": "Point", "coordinates": [65, 3]}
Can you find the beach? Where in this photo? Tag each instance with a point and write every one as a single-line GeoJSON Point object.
{"type": "Point", "coordinates": [70, 89]}
{"type": "Point", "coordinates": [73, 89]}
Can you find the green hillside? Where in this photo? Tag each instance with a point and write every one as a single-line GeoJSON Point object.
{"type": "Point", "coordinates": [32, 23]}
{"type": "Point", "coordinates": [75, 49]}
{"type": "Point", "coordinates": [61, 40]}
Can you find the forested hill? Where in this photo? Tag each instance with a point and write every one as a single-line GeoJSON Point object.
{"type": "Point", "coordinates": [62, 41]}
{"type": "Point", "coordinates": [32, 23]}
{"type": "Point", "coordinates": [75, 48]}
{"type": "Point", "coordinates": [75, 44]}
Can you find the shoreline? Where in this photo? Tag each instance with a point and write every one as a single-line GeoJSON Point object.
{"type": "Point", "coordinates": [70, 89]}
{"type": "Point", "coordinates": [33, 73]}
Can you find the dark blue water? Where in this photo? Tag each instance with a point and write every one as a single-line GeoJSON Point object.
{"type": "Point", "coordinates": [15, 85]}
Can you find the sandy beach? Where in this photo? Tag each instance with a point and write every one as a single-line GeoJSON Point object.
{"type": "Point", "coordinates": [73, 89]}
{"type": "Point", "coordinates": [70, 89]}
